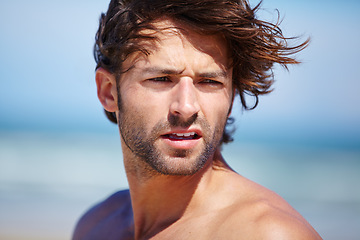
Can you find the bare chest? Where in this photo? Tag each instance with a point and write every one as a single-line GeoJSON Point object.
{"type": "Point", "coordinates": [206, 227]}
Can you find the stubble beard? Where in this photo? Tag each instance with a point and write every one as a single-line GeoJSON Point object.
{"type": "Point", "coordinates": [179, 163]}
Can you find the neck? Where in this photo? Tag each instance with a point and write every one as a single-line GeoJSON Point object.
{"type": "Point", "coordinates": [159, 201]}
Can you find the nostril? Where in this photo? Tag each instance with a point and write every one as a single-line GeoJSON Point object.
{"type": "Point", "coordinates": [178, 120]}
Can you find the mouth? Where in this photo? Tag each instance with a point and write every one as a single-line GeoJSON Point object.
{"type": "Point", "coordinates": [182, 139]}
{"type": "Point", "coordinates": [182, 136]}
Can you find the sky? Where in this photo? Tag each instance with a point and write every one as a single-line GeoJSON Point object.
{"type": "Point", "coordinates": [47, 71]}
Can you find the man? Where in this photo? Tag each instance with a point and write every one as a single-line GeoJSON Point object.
{"type": "Point", "coordinates": [167, 73]}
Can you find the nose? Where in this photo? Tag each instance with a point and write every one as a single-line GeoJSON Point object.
{"type": "Point", "coordinates": [184, 99]}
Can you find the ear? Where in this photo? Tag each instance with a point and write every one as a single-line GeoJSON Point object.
{"type": "Point", "coordinates": [106, 89]}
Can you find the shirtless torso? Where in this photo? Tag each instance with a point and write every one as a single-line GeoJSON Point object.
{"type": "Point", "coordinates": [250, 211]}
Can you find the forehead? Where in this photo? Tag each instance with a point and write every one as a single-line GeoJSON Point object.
{"type": "Point", "coordinates": [171, 38]}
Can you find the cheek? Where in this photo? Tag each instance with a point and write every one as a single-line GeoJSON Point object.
{"type": "Point", "coordinates": [149, 106]}
{"type": "Point", "coordinates": [216, 108]}
{"type": "Point", "coordinates": [133, 97]}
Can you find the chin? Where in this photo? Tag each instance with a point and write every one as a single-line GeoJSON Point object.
{"type": "Point", "coordinates": [179, 166]}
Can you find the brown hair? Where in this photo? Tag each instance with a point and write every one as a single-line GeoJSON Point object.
{"type": "Point", "coordinates": [255, 44]}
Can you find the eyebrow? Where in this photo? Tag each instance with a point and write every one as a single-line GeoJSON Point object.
{"type": "Point", "coordinates": [216, 74]}
{"type": "Point", "coordinates": [169, 71]}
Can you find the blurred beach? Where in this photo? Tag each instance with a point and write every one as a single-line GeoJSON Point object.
{"type": "Point", "coordinates": [59, 155]}
{"type": "Point", "coordinates": [47, 181]}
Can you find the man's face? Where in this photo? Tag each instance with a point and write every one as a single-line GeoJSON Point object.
{"type": "Point", "coordinates": [174, 103]}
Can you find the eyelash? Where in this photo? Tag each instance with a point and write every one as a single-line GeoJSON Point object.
{"type": "Point", "coordinates": [159, 79]}
{"type": "Point", "coordinates": [210, 81]}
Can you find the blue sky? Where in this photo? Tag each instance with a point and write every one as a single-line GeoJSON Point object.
{"type": "Point", "coordinates": [47, 70]}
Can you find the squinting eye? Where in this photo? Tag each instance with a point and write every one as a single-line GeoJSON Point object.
{"type": "Point", "coordinates": [209, 81]}
{"type": "Point", "coordinates": [158, 83]}
{"type": "Point", "coordinates": [209, 85]}
{"type": "Point", "coordinates": [159, 79]}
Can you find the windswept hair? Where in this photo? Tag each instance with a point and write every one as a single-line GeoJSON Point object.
{"type": "Point", "coordinates": [255, 45]}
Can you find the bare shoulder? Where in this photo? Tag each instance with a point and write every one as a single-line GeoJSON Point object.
{"type": "Point", "coordinates": [283, 225]}
{"type": "Point", "coordinates": [109, 219]}
{"type": "Point", "coordinates": [258, 213]}
{"type": "Point", "coordinates": [276, 220]}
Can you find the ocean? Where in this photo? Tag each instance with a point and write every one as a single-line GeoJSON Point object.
{"type": "Point", "coordinates": [47, 181]}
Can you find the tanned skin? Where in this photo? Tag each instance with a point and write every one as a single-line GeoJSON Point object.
{"type": "Point", "coordinates": [174, 106]}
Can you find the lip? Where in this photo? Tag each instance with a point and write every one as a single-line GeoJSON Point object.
{"type": "Point", "coordinates": [179, 142]}
{"type": "Point", "coordinates": [184, 131]}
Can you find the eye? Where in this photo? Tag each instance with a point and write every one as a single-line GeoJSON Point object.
{"type": "Point", "coordinates": [158, 83]}
{"type": "Point", "coordinates": [210, 81]}
{"type": "Point", "coordinates": [159, 79]}
{"type": "Point", "coordinates": [210, 85]}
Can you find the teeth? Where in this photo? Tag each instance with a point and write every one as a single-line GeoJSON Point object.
{"type": "Point", "coordinates": [184, 134]}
